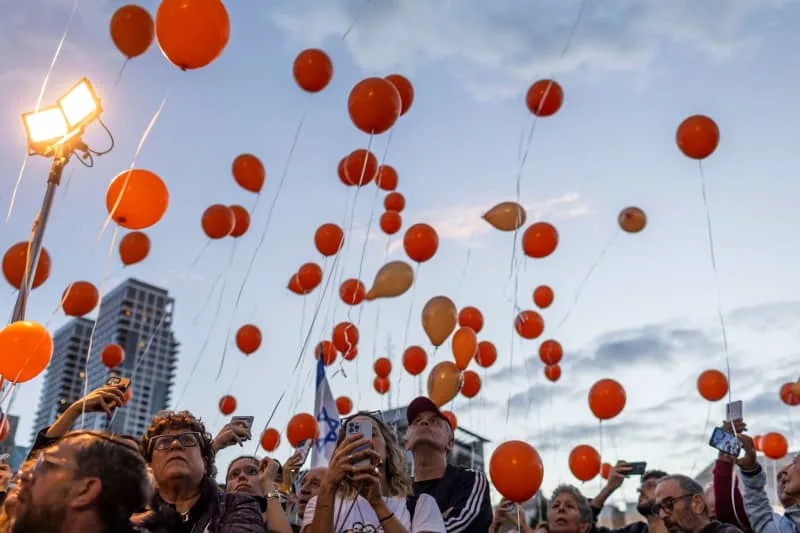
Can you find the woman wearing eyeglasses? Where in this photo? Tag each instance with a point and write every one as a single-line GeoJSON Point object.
{"type": "Point", "coordinates": [367, 487]}
{"type": "Point", "coordinates": [181, 454]}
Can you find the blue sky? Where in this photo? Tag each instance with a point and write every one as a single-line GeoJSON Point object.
{"type": "Point", "coordinates": [647, 315]}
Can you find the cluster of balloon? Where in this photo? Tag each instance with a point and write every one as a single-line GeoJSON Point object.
{"type": "Point", "coordinates": [584, 462]}
{"type": "Point", "coordinates": [248, 339]}
{"type": "Point", "coordinates": [516, 470]}
{"type": "Point", "coordinates": [551, 352]}
{"type": "Point", "coordinates": [391, 221]}
{"type": "Point", "coordinates": [344, 405]}
{"type": "Point", "coordinates": [227, 404]}
{"type": "Point", "coordinates": [345, 340]}
{"type": "Point", "coordinates": [773, 445]}
{"type": "Point", "coordinates": [112, 355]}
{"type": "Point", "coordinates": [219, 221]}
{"type": "Point", "coordinates": [79, 298]}
{"type": "Point", "coordinates": [15, 264]}
{"type": "Point", "coordinates": [712, 385]}
{"type": "Point", "coordinates": [270, 439]}
{"type": "Point", "coordinates": [790, 393]}
{"type": "Point", "coordinates": [607, 399]}
{"type": "Point", "coordinates": [27, 348]}
{"type": "Point", "coordinates": [302, 426]}
{"type": "Point", "coordinates": [375, 104]}
{"type": "Point", "coordinates": [307, 278]}
{"type": "Point", "coordinates": [382, 367]}
{"type": "Point", "coordinates": [134, 247]}
{"type": "Point", "coordinates": [132, 30]}
{"type": "Point", "coordinates": [192, 33]}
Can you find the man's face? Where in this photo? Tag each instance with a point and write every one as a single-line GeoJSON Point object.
{"type": "Point", "coordinates": [789, 480]}
{"type": "Point", "coordinates": [680, 512]}
{"type": "Point", "coordinates": [243, 477]}
{"type": "Point", "coordinates": [429, 429]}
{"type": "Point", "coordinates": [309, 488]}
{"type": "Point", "coordinates": [647, 497]}
{"type": "Point", "coordinates": [176, 454]}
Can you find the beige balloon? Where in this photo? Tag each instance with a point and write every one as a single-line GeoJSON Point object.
{"type": "Point", "coordinates": [393, 279]}
{"type": "Point", "coordinates": [506, 216]}
{"type": "Point", "coordinates": [444, 382]}
{"type": "Point", "coordinates": [439, 318]}
{"type": "Point", "coordinates": [632, 219]}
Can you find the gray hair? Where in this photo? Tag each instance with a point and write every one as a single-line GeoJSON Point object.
{"type": "Point", "coordinates": [584, 509]}
{"type": "Point", "coordinates": [687, 484]}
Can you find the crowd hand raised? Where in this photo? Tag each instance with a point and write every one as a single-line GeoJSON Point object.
{"type": "Point", "coordinates": [102, 399]}
{"type": "Point", "coordinates": [617, 474]}
{"type": "Point", "coordinates": [748, 462]}
{"type": "Point", "coordinates": [368, 480]}
{"type": "Point", "coordinates": [740, 428]}
{"type": "Point", "coordinates": [341, 463]}
{"type": "Point", "coordinates": [231, 434]}
{"type": "Point", "coordinates": [294, 462]}
{"type": "Point", "coordinates": [267, 471]}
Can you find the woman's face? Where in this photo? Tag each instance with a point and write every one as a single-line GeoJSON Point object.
{"type": "Point", "coordinates": [564, 516]}
{"type": "Point", "coordinates": [378, 444]}
{"type": "Point", "coordinates": [177, 457]}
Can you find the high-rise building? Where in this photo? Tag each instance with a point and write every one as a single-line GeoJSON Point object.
{"type": "Point", "coordinates": [64, 377]}
{"type": "Point", "coordinates": [138, 317]}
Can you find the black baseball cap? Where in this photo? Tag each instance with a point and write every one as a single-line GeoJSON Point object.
{"type": "Point", "coordinates": [423, 404]}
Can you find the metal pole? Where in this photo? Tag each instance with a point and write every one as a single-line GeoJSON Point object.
{"type": "Point", "coordinates": [39, 225]}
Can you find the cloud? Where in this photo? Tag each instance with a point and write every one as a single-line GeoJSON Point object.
{"type": "Point", "coordinates": [498, 48]}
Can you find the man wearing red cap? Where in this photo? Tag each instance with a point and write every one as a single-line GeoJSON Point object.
{"type": "Point", "coordinates": [462, 494]}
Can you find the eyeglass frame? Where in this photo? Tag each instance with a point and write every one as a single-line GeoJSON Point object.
{"type": "Point", "coordinates": [153, 440]}
{"type": "Point", "coordinates": [670, 507]}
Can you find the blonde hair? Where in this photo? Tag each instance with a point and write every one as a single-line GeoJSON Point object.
{"type": "Point", "coordinates": [395, 471]}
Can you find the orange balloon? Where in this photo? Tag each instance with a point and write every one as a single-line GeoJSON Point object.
{"type": "Point", "coordinates": [605, 470]}
{"type": "Point", "coordinates": [27, 348]}
{"type": "Point", "coordinates": [134, 247]}
{"type": "Point", "coordinates": [136, 199]}
{"type": "Point", "coordinates": [387, 178]}
{"type": "Point", "coordinates": [4, 428]}
{"type": "Point", "coordinates": [345, 336]}
{"type": "Point", "coordinates": [15, 265]}
{"type": "Point", "coordinates": [774, 445]}
{"type": "Point", "coordinates": [584, 462]}
{"type": "Point", "coordinates": [606, 399]}
{"type": "Point", "coordinates": [352, 291]}
{"type": "Point", "coordinates": [544, 98]}
{"type": "Point", "coordinates": [309, 276]}
{"type": "Point", "coordinates": [552, 372]}
{"type": "Point", "coordinates": [444, 382]}
{"type": "Point", "coordinates": [632, 220]}
{"type": "Point", "coordinates": [788, 396]}
{"type": "Point", "coordinates": [249, 173]}
{"type": "Point", "coordinates": [796, 388]}
{"type": "Point", "coordinates": [79, 298]}
{"type": "Point", "coordinates": [543, 296]}
{"type": "Point", "coordinates": [421, 242]}
{"type": "Point", "coordinates": [329, 239]}
{"type": "Point", "coordinates": [342, 175]}
{"type": "Point", "coordinates": [327, 351]}
{"type": "Point", "coordinates": [248, 339]}
{"type": "Point", "coordinates": [697, 137]}
{"type": "Point", "coordinates": [270, 439]}
{"type": "Point", "coordinates": [550, 352]}
{"type": "Point", "coordinates": [132, 30]}
{"type": "Point", "coordinates": [391, 222]}
{"type": "Point", "coordinates": [465, 346]}
{"type": "Point", "coordinates": [415, 360]}
{"type": "Point", "coordinates": [394, 201]}
{"type": "Point", "coordinates": [381, 385]}
{"type": "Point", "coordinates": [405, 89]}
{"type": "Point", "coordinates": [312, 70]}
{"type": "Point", "coordinates": [439, 318]}
{"type": "Point", "coordinates": [127, 395]}
{"type": "Point", "coordinates": [712, 385]}
{"type": "Point", "coordinates": [374, 105]}
{"type": "Point", "coordinates": [487, 354]}
{"type": "Point", "coordinates": [218, 221]}
{"type": "Point", "coordinates": [392, 280]}
{"type": "Point", "coordinates": [383, 367]}
{"type": "Point", "coordinates": [529, 324]}
{"type": "Point", "coordinates": [192, 33]}
{"type": "Point", "coordinates": [516, 470]}
{"type": "Point", "coordinates": [295, 287]}
{"type": "Point", "coordinates": [539, 240]}
{"type": "Point", "coordinates": [451, 418]}
{"type": "Point", "coordinates": [241, 220]}
{"type": "Point", "coordinates": [360, 167]}
{"type": "Point", "coordinates": [302, 426]}
{"type": "Point", "coordinates": [112, 355]}
{"type": "Point", "coordinates": [472, 384]}
{"type": "Point", "coordinates": [506, 216]}
{"type": "Point", "coordinates": [344, 405]}
{"type": "Point", "coordinates": [758, 441]}
{"type": "Point", "coordinates": [351, 354]}
{"type": "Point", "coordinates": [471, 317]}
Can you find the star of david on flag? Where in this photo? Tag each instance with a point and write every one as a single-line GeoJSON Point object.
{"type": "Point", "coordinates": [327, 419]}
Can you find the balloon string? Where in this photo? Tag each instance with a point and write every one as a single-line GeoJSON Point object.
{"type": "Point", "coordinates": [356, 19]}
{"type": "Point", "coordinates": [713, 256]}
{"type": "Point", "coordinates": [230, 320]}
{"type": "Point", "coordinates": [119, 74]}
{"type": "Point", "coordinates": [702, 435]}
{"type": "Point", "coordinates": [103, 281]}
{"type": "Point", "coordinates": [39, 102]}
{"type": "Point", "coordinates": [513, 337]}
{"type": "Point", "coordinates": [207, 299]}
{"type": "Point", "coordinates": [205, 247]}
{"type": "Point", "coordinates": [408, 324]}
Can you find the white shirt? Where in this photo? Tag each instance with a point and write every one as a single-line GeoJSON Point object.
{"type": "Point", "coordinates": [357, 516]}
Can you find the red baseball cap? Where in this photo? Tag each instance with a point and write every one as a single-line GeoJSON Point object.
{"type": "Point", "coordinates": [423, 404]}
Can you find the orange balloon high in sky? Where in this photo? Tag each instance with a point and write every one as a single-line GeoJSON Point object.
{"type": "Point", "coordinates": [697, 137]}
{"type": "Point", "coordinates": [132, 30]}
{"type": "Point", "coordinates": [712, 385]}
{"type": "Point", "coordinates": [439, 319]}
{"type": "Point", "coordinates": [192, 33]}
{"type": "Point", "coordinates": [27, 348]}
{"type": "Point", "coordinates": [136, 199]}
{"type": "Point", "coordinates": [312, 70]}
{"type": "Point", "coordinates": [15, 262]}
{"type": "Point", "coordinates": [606, 399]}
{"type": "Point", "coordinates": [465, 346]}
{"type": "Point", "coordinates": [374, 105]}
{"type": "Point", "coordinates": [516, 470]}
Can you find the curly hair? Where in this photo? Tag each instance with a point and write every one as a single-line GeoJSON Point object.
{"type": "Point", "coordinates": [171, 420]}
{"type": "Point", "coordinates": [584, 509]}
{"type": "Point", "coordinates": [395, 468]}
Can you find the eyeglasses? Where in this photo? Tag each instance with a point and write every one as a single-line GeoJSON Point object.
{"type": "Point", "coordinates": [668, 504]}
{"type": "Point", "coordinates": [187, 439]}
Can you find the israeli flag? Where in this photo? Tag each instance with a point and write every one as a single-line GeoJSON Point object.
{"type": "Point", "coordinates": [327, 418]}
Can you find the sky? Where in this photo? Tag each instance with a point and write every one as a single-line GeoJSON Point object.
{"type": "Point", "coordinates": [641, 308]}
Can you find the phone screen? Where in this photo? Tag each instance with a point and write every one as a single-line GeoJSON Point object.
{"type": "Point", "coordinates": [364, 428]}
{"type": "Point", "coordinates": [246, 421]}
{"type": "Point", "coordinates": [637, 469]}
{"type": "Point", "coordinates": [725, 442]}
{"type": "Point", "coordinates": [120, 382]}
{"type": "Point", "coordinates": [302, 449]}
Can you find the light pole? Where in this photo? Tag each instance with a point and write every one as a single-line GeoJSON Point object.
{"type": "Point", "coordinates": [56, 132]}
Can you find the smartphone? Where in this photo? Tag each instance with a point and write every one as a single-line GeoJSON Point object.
{"type": "Point", "coordinates": [725, 442]}
{"type": "Point", "coordinates": [734, 411]}
{"type": "Point", "coordinates": [364, 428]}
{"type": "Point", "coordinates": [638, 468]}
{"type": "Point", "coordinates": [246, 421]}
{"type": "Point", "coordinates": [5, 458]}
{"type": "Point", "coordinates": [122, 383]}
{"type": "Point", "coordinates": [303, 448]}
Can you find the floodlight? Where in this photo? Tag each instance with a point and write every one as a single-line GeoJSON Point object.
{"type": "Point", "coordinates": [80, 105]}
{"type": "Point", "coordinates": [45, 127]}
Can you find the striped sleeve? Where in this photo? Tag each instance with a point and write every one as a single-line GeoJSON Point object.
{"type": "Point", "coordinates": [472, 505]}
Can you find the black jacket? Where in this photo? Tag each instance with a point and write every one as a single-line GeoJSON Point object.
{"type": "Point", "coordinates": [463, 498]}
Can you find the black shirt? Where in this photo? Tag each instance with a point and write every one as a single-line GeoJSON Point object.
{"type": "Point", "coordinates": [463, 498]}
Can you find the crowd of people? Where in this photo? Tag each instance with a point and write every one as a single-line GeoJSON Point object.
{"type": "Point", "coordinates": [165, 481]}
